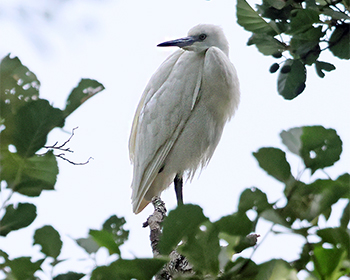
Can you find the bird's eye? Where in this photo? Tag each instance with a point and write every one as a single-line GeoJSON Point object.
{"type": "Point", "coordinates": [202, 37]}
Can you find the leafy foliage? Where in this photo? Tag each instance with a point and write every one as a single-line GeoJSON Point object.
{"type": "Point", "coordinates": [297, 32]}
{"type": "Point", "coordinates": [212, 247]}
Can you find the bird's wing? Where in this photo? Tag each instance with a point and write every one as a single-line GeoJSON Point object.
{"type": "Point", "coordinates": [165, 109]}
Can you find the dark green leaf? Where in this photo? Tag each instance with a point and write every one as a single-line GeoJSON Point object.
{"type": "Point", "coordinates": [240, 269]}
{"type": "Point", "coordinates": [276, 270]}
{"type": "Point", "coordinates": [302, 19]}
{"type": "Point", "coordinates": [182, 222]}
{"type": "Point", "coordinates": [115, 225]}
{"type": "Point", "coordinates": [320, 65]}
{"type": "Point", "coordinates": [29, 176]}
{"type": "Point", "coordinates": [69, 276]}
{"type": "Point", "coordinates": [321, 147]}
{"type": "Point", "coordinates": [16, 218]}
{"type": "Point", "coordinates": [33, 122]}
{"type": "Point", "coordinates": [274, 162]}
{"type": "Point", "coordinates": [24, 268]}
{"type": "Point", "coordinates": [339, 41]}
{"type": "Point", "coordinates": [253, 198]}
{"type": "Point", "coordinates": [305, 257]}
{"type": "Point", "coordinates": [250, 20]}
{"type": "Point", "coordinates": [140, 269]}
{"type": "Point", "coordinates": [49, 240]}
{"type": "Point", "coordinates": [235, 224]}
{"type": "Point", "coordinates": [277, 4]}
{"type": "Point", "coordinates": [86, 89]}
{"type": "Point", "coordinates": [89, 244]}
{"type": "Point", "coordinates": [345, 218]}
{"type": "Point", "coordinates": [267, 45]}
{"type": "Point", "coordinates": [202, 249]}
{"type": "Point", "coordinates": [291, 139]}
{"type": "Point", "coordinates": [288, 84]}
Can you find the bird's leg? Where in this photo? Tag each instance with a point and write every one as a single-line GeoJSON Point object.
{"type": "Point", "coordinates": [178, 182]}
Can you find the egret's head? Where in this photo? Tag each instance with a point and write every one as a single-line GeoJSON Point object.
{"type": "Point", "coordinates": [200, 38]}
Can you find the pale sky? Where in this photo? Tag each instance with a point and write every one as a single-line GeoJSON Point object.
{"type": "Point", "coordinates": [119, 50]}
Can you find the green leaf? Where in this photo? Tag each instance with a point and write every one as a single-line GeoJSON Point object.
{"type": "Point", "coordinates": [86, 89]}
{"type": "Point", "coordinates": [33, 122]}
{"type": "Point", "coordinates": [106, 239]}
{"type": "Point", "coordinates": [267, 45]}
{"type": "Point", "coordinates": [235, 224]}
{"type": "Point", "coordinates": [202, 249]}
{"type": "Point", "coordinates": [88, 244]}
{"type": "Point", "coordinates": [339, 237]}
{"type": "Point", "coordinates": [140, 269]}
{"type": "Point", "coordinates": [274, 162]}
{"type": "Point", "coordinates": [274, 216]}
{"type": "Point", "coordinates": [345, 218]}
{"type": "Point", "coordinates": [18, 84]}
{"type": "Point", "coordinates": [320, 65]}
{"type": "Point", "coordinates": [182, 222]}
{"type": "Point", "coordinates": [253, 198]}
{"type": "Point", "coordinates": [240, 269]}
{"type": "Point", "coordinates": [49, 240]}
{"type": "Point", "coordinates": [276, 270]}
{"type": "Point", "coordinates": [115, 225]}
{"type": "Point", "coordinates": [277, 4]}
{"type": "Point", "coordinates": [29, 176]}
{"type": "Point", "coordinates": [24, 268]}
{"type": "Point", "coordinates": [16, 218]}
{"type": "Point", "coordinates": [250, 20]}
{"type": "Point", "coordinates": [321, 147]}
{"type": "Point", "coordinates": [291, 139]}
{"type": "Point", "coordinates": [112, 236]}
{"type": "Point", "coordinates": [327, 261]}
{"type": "Point", "coordinates": [302, 19]}
{"type": "Point", "coordinates": [339, 41]}
{"type": "Point", "coordinates": [291, 84]}
{"type": "Point", "coordinates": [69, 276]}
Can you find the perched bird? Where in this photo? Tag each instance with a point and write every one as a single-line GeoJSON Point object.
{"type": "Point", "coordinates": [182, 112]}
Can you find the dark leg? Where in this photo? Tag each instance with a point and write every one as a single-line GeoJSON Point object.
{"type": "Point", "coordinates": [178, 182]}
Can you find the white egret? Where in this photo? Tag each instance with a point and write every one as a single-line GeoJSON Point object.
{"type": "Point", "coordinates": [182, 112]}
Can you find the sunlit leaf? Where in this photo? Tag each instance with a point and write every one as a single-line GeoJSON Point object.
{"type": "Point", "coordinates": [291, 139]}
{"type": "Point", "coordinates": [89, 244]}
{"type": "Point", "coordinates": [49, 240]}
{"type": "Point", "coordinates": [339, 237]}
{"type": "Point", "coordinates": [106, 239]}
{"type": "Point", "coordinates": [276, 270]}
{"type": "Point", "coordinates": [290, 84]}
{"type": "Point", "coordinates": [15, 218]}
{"type": "Point", "coordinates": [327, 261]}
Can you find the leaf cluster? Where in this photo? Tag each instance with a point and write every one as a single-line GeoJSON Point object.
{"type": "Point", "coordinates": [296, 32]}
{"type": "Point", "coordinates": [27, 166]}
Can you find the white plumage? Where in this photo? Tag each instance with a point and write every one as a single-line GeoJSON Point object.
{"type": "Point", "coordinates": [182, 112]}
